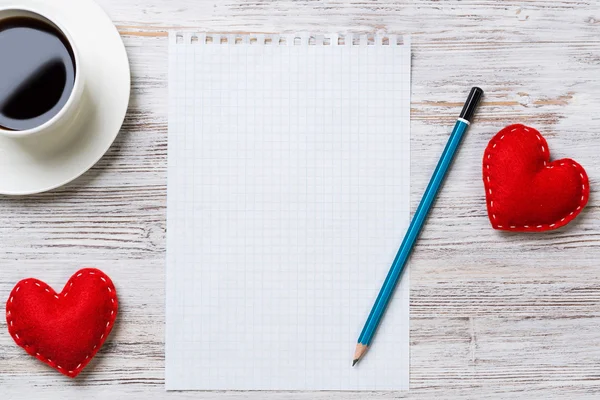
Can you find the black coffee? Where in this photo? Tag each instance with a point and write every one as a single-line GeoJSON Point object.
{"type": "Point", "coordinates": [37, 72]}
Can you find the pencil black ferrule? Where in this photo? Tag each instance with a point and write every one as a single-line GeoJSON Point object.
{"type": "Point", "coordinates": [471, 103]}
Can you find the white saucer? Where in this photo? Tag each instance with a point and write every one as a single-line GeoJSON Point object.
{"type": "Point", "coordinates": [39, 164]}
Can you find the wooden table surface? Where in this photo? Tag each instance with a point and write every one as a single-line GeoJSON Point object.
{"type": "Point", "coordinates": [493, 315]}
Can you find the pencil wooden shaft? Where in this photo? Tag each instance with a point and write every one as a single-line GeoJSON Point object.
{"type": "Point", "coordinates": [416, 225]}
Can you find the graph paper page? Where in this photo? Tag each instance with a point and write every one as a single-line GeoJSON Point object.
{"type": "Point", "coordinates": [288, 197]}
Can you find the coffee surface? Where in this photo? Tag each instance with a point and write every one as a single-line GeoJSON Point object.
{"type": "Point", "coordinates": [37, 72]}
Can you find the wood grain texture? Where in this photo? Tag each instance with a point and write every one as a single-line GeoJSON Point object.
{"type": "Point", "coordinates": [493, 315]}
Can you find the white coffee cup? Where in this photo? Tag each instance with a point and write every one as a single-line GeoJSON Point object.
{"type": "Point", "coordinates": [72, 111]}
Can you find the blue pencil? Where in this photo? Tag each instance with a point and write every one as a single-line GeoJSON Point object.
{"type": "Point", "coordinates": [385, 294]}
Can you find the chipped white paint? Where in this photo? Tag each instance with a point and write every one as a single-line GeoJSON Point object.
{"type": "Point", "coordinates": [494, 315]}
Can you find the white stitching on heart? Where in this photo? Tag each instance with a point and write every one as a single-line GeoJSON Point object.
{"type": "Point", "coordinates": [47, 289]}
{"type": "Point", "coordinates": [543, 149]}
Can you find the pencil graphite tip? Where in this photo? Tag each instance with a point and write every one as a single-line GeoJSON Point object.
{"type": "Point", "coordinates": [360, 351]}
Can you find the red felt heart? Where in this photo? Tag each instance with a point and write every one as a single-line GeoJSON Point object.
{"type": "Point", "coordinates": [524, 190]}
{"type": "Point", "coordinates": [64, 330]}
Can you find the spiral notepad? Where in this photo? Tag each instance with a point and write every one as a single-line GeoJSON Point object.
{"type": "Point", "coordinates": [288, 197]}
